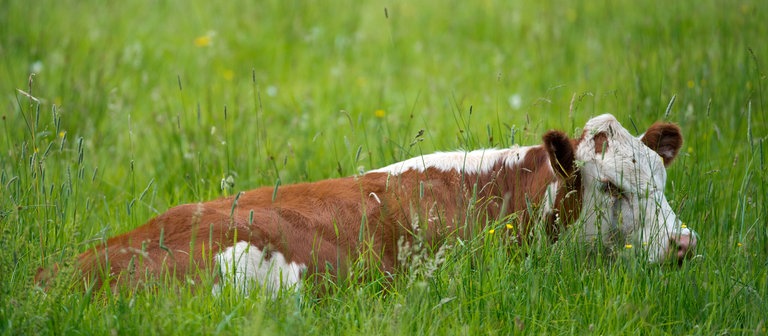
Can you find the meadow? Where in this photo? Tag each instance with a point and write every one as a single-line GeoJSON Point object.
{"type": "Point", "coordinates": [112, 112]}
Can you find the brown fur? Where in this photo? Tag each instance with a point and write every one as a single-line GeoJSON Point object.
{"type": "Point", "coordinates": [569, 195]}
{"type": "Point", "coordinates": [601, 142]}
{"type": "Point", "coordinates": [665, 139]}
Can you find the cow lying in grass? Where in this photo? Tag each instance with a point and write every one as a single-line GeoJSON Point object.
{"type": "Point", "coordinates": [608, 180]}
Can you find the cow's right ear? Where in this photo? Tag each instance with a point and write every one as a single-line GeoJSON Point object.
{"type": "Point", "coordinates": [561, 153]}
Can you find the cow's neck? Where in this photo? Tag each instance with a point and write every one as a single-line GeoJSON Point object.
{"type": "Point", "coordinates": [518, 193]}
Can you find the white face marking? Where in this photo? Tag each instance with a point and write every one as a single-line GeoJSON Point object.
{"type": "Point", "coordinates": [624, 201]}
{"type": "Point", "coordinates": [478, 161]}
{"type": "Point", "coordinates": [244, 265]}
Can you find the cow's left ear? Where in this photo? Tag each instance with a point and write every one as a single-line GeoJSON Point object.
{"type": "Point", "coordinates": [665, 139]}
{"type": "Point", "coordinates": [561, 152]}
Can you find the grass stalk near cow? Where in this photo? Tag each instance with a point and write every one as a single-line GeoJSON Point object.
{"type": "Point", "coordinates": [135, 108]}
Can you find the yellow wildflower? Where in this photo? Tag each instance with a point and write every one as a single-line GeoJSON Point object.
{"type": "Point", "coordinates": [691, 83]}
{"type": "Point", "coordinates": [684, 226]}
{"type": "Point", "coordinates": [628, 246]}
{"type": "Point", "coordinates": [739, 244]}
{"type": "Point", "coordinates": [204, 40]}
{"type": "Point", "coordinates": [62, 134]}
{"type": "Point", "coordinates": [379, 113]}
{"type": "Point", "coordinates": [510, 227]}
{"type": "Point", "coordinates": [228, 74]}
{"type": "Point", "coordinates": [491, 231]}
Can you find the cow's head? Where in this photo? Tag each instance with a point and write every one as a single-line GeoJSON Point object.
{"type": "Point", "coordinates": [623, 179]}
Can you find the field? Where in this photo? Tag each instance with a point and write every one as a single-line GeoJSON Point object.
{"type": "Point", "coordinates": [112, 112]}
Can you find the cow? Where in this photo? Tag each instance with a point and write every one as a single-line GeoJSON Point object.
{"type": "Point", "coordinates": [608, 181]}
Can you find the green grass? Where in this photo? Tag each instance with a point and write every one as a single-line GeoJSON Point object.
{"type": "Point", "coordinates": [133, 112]}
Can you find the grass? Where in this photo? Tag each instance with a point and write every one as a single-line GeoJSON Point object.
{"type": "Point", "coordinates": [135, 107]}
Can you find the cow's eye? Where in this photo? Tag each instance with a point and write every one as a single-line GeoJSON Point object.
{"type": "Point", "coordinates": [612, 189]}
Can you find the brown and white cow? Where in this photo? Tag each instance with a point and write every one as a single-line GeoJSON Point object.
{"type": "Point", "coordinates": [608, 180]}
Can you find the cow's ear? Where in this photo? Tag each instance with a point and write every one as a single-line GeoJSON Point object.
{"type": "Point", "coordinates": [665, 139]}
{"type": "Point", "coordinates": [561, 152]}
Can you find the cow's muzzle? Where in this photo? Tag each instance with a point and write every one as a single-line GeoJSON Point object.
{"type": "Point", "coordinates": [682, 246]}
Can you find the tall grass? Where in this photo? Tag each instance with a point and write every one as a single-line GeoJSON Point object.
{"type": "Point", "coordinates": [114, 112]}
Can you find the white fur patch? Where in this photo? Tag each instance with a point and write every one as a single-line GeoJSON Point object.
{"type": "Point", "coordinates": [548, 203]}
{"type": "Point", "coordinates": [244, 266]}
{"type": "Point", "coordinates": [478, 161]}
